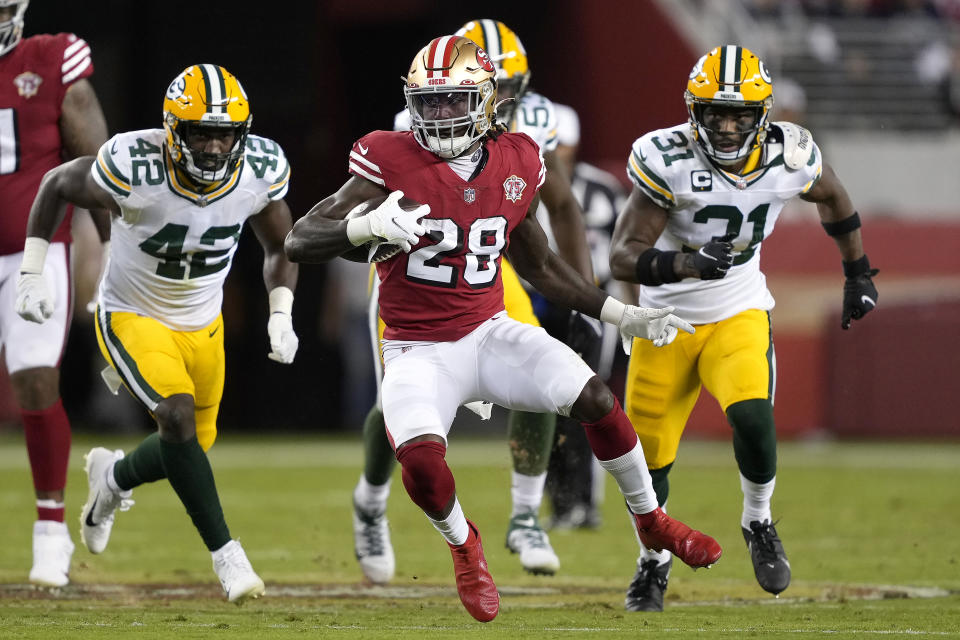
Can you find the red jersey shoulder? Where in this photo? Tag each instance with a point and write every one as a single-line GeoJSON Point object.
{"type": "Point", "coordinates": [64, 57]}
{"type": "Point", "coordinates": [381, 155]}
{"type": "Point", "coordinates": [522, 165]}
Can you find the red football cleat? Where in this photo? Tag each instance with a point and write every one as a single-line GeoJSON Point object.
{"type": "Point", "coordinates": [658, 531]}
{"type": "Point", "coordinates": [475, 585]}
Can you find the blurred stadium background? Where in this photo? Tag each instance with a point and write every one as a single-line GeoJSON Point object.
{"type": "Point", "coordinates": [877, 82]}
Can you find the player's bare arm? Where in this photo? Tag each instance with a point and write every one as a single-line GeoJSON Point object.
{"type": "Point", "coordinates": [82, 125]}
{"type": "Point", "coordinates": [321, 235]}
{"type": "Point", "coordinates": [83, 129]}
{"type": "Point", "coordinates": [271, 227]}
{"type": "Point", "coordinates": [70, 182]}
{"type": "Point", "coordinates": [834, 205]}
{"type": "Point", "coordinates": [531, 256]}
{"type": "Point", "coordinates": [566, 217]}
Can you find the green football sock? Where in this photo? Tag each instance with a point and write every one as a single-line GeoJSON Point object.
{"type": "Point", "coordinates": [191, 477]}
{"type": "Point", "coordinates": [531, 439]}
{"type": "Point", "coordinates": [661, 483]}
{"type": "Point", "coordinates": [754, 439]}
{"type": "Point", "coordinates": [141, 465]}
{"type": "Point", "coordinates": [379, 459]}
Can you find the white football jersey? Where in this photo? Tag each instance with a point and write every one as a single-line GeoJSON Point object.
{"type": "Point", "coordinates": [704, 202]}
{"type": "Point", "coordinates": [534, 116]}
{"type": "Point", "coordinates": [171, 248]}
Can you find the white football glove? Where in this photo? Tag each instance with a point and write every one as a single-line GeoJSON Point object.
{"type": "Point", "coordinates": [389, 224]}
{"type": "Point", "coordinates": [34, 298]}
{"type": "Point", "coordinates": [659, 326]}
{"type": "Point", "coordinates": [283, 340]}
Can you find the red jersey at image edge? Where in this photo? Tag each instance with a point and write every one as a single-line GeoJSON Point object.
{"type": "Point", "coordinates": [34, 77]}
{"type": "Point", "coordinates": [450, 281]}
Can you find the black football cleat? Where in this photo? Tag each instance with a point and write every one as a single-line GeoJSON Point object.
{"type": "Point", "coordinates": [649, 584]}
{"type": "Point", "coordinates": [770, 563]}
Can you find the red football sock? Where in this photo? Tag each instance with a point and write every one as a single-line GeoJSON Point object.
{"type": "Point", "coordinates": [612, 435]}
{"type": "Point", "coordinates": [47, 433]}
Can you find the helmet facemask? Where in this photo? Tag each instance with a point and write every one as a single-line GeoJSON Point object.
{"type": "Point", "coordinates": [726, 147]}
{"type": "Point", "coordinates": [11, 30]}
{"type": "Point", "coordinates": [205, 167]}
{"type": "Point", "coordinates": [447, 122]}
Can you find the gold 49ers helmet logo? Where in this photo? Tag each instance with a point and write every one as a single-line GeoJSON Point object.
{"type": "Point", "coordinates": [513, 188]}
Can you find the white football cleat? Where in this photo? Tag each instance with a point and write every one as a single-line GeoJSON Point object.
{"type": "Point", "coordinates": [239, 580]}
{"type": "Point", "coordinates": [96, 518]}
{"type": "Point", "coordinates": [372, 547]}
{"type": "Point", "coordinates": [52, 550]}
{"type": "Point", "coordinates": [525, 537]}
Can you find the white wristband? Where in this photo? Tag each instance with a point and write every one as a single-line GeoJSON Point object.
{"type": "Point", "coordinates": [281, 300]}
{"type": "Point", "coordinates": [34, 255]}
{"type": "Point", "coordinates": [612, 311]}
{"type": "Point", "coordinates": [358, 230]}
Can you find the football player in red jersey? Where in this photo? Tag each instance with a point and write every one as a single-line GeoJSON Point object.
{"type": "Point", "coordinates": [448, 340]}
{"type": "Point", "coordinates": [48, 112]}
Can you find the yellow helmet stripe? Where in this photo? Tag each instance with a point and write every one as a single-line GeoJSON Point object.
{"type": "Point", "coordinates": [215, 87]}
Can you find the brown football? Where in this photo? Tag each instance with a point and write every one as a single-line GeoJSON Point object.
{"type": "Point", "coordinates": [383, 250]}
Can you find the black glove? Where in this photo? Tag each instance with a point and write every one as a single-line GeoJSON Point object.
{"type": "Point", "coordinates": [714, 258]}
{"type": "Point", "coordinates": [859, 293]}
{"type": "Point", "coordinates": [583, 334]}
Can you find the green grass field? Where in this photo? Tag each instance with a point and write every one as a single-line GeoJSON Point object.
{"type": "Point", "coordinates": [872, 531]}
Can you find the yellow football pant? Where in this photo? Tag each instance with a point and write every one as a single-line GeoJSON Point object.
{"type": "Point", "coordinates": [156, 362]}
{"type": "Point", "coordinates": [733, 359]}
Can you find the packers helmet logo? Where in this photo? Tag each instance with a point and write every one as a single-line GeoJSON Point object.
{"type": "Point", "coordinates": [177, 87]}
{"type": "Point", "coordinates": [698, 68]}
{"type": "Point", "coordinates": [484, 60]}
{"type": "Point", "coordinates": [764, 73]}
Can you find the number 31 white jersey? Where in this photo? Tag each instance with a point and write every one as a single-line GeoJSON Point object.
{"type": "Point", "coordinates": [703, 203]}
{"type": "Point", "coordinates": [171, 248]}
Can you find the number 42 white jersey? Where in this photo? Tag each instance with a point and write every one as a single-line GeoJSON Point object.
{"type": "Point", "coordinates": [703, 202]}
{"type": "Point", "coordinates": [171, 248]}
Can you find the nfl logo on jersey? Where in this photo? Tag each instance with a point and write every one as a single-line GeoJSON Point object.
{"type": "Point", "coordinates": [469, 195]}
{"type": "Point", "coordinates": [513, 188]}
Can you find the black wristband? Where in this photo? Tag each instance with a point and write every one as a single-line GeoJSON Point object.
{"type": "Point", "coordinates": [646, 274]}
{"type": "Point", "coordinates": [859, 267]}
{"type": "Point", "coordinates": [841, 227]}
{"type": "Point", "coordinates": [665, 267]}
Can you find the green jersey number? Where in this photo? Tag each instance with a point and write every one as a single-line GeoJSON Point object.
{"type": "Point", "coordinates": [675, 141]}
{"type": "Point", "coordinates": [166, 246]}
{"type": "Point", "coordinates": [260, 163]}
{"type": "Point", "coordinates": [735, 218]}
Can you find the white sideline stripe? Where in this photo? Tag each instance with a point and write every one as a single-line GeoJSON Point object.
{"type": "Point", "coordinates": [77, 71]}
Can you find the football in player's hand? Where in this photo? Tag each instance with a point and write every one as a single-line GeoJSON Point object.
{"type": "Point", "coordinates": [375, 251]}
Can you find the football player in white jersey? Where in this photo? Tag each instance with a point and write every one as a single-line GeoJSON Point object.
{"type": "Point", "coordinates": [530, 434]}
{"type": "Point", "coordinates": [706, 194]}
{"type": "Point", "coordinates": [179, 196]}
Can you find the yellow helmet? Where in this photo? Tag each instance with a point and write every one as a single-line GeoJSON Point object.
{"type": "Point", "coordinates": [730, 77]}
{"type": "Point", "coordinates": [450, 89]}
{"type": "Point", "coordinates": [508, 56]}
{"type": "Point", "coordinates": [11, 30]}
{"type": "Point", "coordinates": [205, 96]}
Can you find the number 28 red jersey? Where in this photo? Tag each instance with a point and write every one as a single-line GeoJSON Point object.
{"type": "Point", "coordinates": [450, 282]}
{"type": "Point", "coordinates": [34, 77]}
